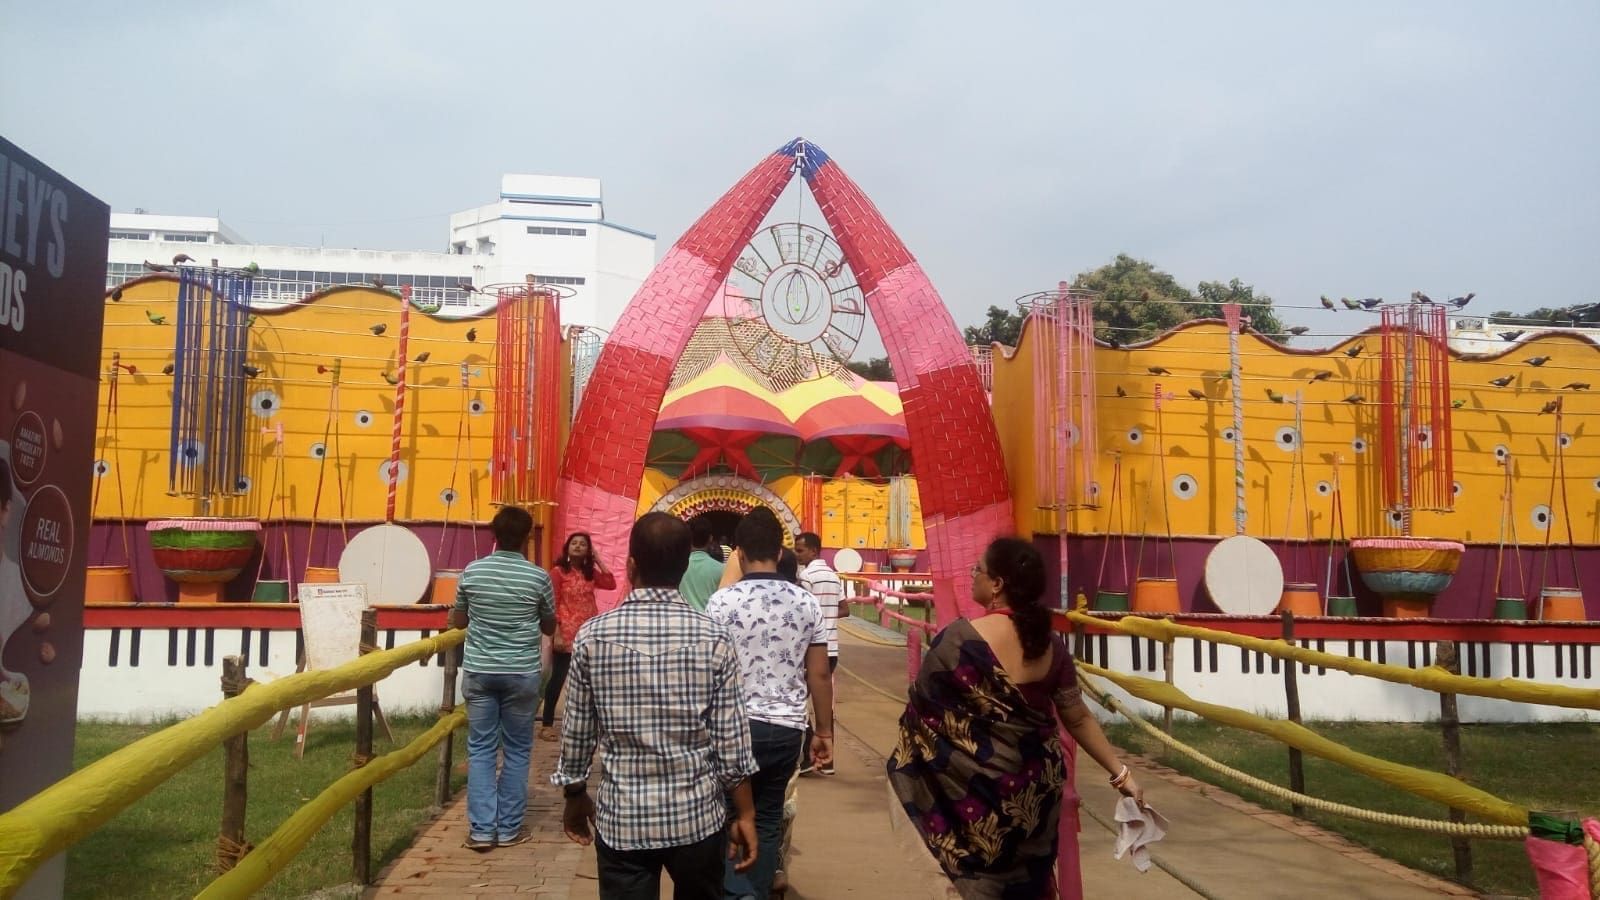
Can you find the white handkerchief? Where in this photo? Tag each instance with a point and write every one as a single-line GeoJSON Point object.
{"type": "Point", "coordinates": [1138, 828]}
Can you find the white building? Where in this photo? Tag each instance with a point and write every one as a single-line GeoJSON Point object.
{"type": "Point", "coordinates": [551, 227]}
{"type": "Point", "coordinates": [1487, 337]}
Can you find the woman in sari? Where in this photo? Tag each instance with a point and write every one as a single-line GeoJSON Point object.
{"type": "Point", "coordinates": [979, 766]}
{"type": "Point", "coordinates": [578, 572]}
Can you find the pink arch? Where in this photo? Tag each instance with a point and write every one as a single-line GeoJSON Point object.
{"type": "Point", "coordinates": [956, 451]}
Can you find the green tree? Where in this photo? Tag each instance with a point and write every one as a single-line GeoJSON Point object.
{"type": "Point", "coordinates": [1001, 326]}
{"type": "Point", "coordinates": [875, 369]}
{"type": "Point", "coordinates": [1139, 301]}
{"type": "Point", "coordinates": [1263, 319]}
{"type": "Point", "coordinates": [1577, 314]}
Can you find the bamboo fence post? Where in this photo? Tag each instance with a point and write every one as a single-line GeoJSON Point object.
{"type": "Point", "coordinates": [441, 786]}
{"type": "Point", "coordinates": [1291, 690]}
{"type": "Point", "coordinates": [1450, 725]}
{"type": "Point", "coordinates": [361, 840]}
{"type": "Point", "coordinates": [1166, 673]}
{"type": "Point", "coordinates": [235, 775]}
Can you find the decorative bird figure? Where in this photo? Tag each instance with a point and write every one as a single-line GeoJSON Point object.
{"type": "Point", "coordinates": [1551, 407]}
{"type": "Point", "coordinates": [116, 295]}
{"type": "Point", "coordinates": [1274, 396]}
{"type": "Point", "coordinates": [155, 319]}
{"type": "Point", "coordinates": [392, 379]}
{"type": "Point", "coordinates": [182, 258]}
{"type": "Point", "coordinates": [1113, 342]}
{"type": "Point", "coordinates": [1537, 360]}
{"type": "Point", "coordinates": [1370, 302]}
{"type": "Point", "coordinates": [1459, 302]}
{"type": "Point", "coordinates": [156, 267]}
{"type": "Point", "coordinates": [1157, 370]}
{"type": "Point", "coordinates": [423, 356]}
{"type": "Point", "coordinates": [1512, 335]}
{"type": "Point", "coordinates": [1503, 380]}
{"type": "Point", "coordinates": [1420, 297]}
{"type": "Point", "coordinates": [377, 282]}
{"type": "Point", "coordinates": [1197, 394]}
{"type": "Point", "coordinates": [1121, 392]}
{"type": "Point", "coordinates": [252, 269]}
{"type": "Point", "coordinates": [379, 328]}
{"type": "Point", "coordinates": [168, 369]}
{"type": "Point", "coordinates": [472, 335]}
{"type": "Point", "coordinates": [1299, 330]}
{"type": "Point", "coordinates": [1355, 399]}
{"type": "Point", "coordinates": [1355, 351]}
{"type": "Point", "coordinates": [250, 320]}
{"type": "Point", "coordinates": [1575, 386]}
{"type": "Point", "coordinates": [249, 370]}
{"type": "Point", "coordinates": [1320, 375]}
{"type": "Point", "coordinates": [1350, 304]}
{"type": "Point", "coordinates": [1457, 404]}
{"type": "Point", "coordinates": [1326, 303]}
{"type": "Point", "coordinates": [466, 286]}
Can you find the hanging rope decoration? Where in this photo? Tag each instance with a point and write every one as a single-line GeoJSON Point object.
{"type": "Point", "coordinates": [1062, 325]}
{"type": "Point", "coordinates": [527, 389]}
{"type": "Point", "coordinates": [1414, 395]}
{"type": "Point", "coordinates": [206, 441]}
{"type": "Point", "coordinates": [402, 354]}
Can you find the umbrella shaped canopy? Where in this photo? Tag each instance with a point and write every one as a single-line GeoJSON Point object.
{"type": "Point", "coordinates": [723, 407]}
{"type": "Point", "coordinates": [852, 415]}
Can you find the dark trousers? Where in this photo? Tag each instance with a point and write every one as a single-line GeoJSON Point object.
{"type": "Point", "coordinates": [696, 870]}
{"type": "Point", "coordinates": [777, 752]}
{"type": "Point", "coordinates": [558, 679]}
{"type": "Point", "coordinates": [805, 748]}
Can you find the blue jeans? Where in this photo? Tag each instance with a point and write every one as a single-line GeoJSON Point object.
{"type": "Point", "coordinates": [499, 720]}
{"type": "Point", "coordinates": [777, 752]}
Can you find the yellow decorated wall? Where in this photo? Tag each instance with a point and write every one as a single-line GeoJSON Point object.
{"type": "Point", "coordinates": [1191, 432]}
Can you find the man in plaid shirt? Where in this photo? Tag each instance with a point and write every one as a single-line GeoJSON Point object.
{"type": "Point", "coordinates": [656, 685]}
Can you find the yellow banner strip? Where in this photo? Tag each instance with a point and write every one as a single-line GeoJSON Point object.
{"type": "Point", "coordinates": [270, 856]}
{"type": "Point", "coordinates": [64, 813]}
{"type": "Point", "coordinates": [1421, 782]}
{"type": "Point", "coordinates": [1432, 678]}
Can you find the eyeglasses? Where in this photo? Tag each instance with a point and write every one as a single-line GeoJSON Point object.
{"type": "Point", "coordinates": [978, 570]}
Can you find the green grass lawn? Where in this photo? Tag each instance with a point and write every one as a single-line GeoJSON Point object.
{"type": "Point", "coordinates": [164, 846]}
{"type": "Point", "coordinates": [1544, 767]}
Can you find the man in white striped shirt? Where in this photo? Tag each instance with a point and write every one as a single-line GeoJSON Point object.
{"type": "Point", "coordinates": [819, 578]}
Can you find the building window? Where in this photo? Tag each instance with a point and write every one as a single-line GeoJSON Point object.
{"type": "Point", "coordinates": [130, 235]}
{"type": "Point", "coordinates": [577, 203]}
{"type": "Point", "coordinates": [191, 238]}
{"type": "Point", "coordinates": [460, 248]}
{"type": "Point", "coordinates": [559, 279]}
{"type": "Point", "coordinates": [563, 232]}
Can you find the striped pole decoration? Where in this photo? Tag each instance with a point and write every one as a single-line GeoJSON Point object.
{"type": "Point", "coordinates": [1231, 313]}
{"type": "Point", "coordinates": [399, 401]}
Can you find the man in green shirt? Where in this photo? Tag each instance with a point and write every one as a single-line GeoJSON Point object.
{"type": "Point", "coordinates": [705, 572]}
{"type": "Point", "coordinates": [504, 601]}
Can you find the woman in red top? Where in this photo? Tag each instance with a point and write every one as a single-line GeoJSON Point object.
{"type": "Point", "coordinates": [575, 576]}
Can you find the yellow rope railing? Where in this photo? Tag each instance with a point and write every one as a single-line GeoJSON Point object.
{"type": "Point", "coordinates": [1432, 678]}
{"type": "Point", "coordinates": [1421, 782]}
{"type": "Point", "coordinates": [1414, 823]}
{"type": "Point", "coordinates": [67, 811]}
{"type": "Point", "coordinates": [271, 855]}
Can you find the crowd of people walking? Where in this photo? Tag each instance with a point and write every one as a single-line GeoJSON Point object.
{"type": "Point", "coordinates": [707, 693]}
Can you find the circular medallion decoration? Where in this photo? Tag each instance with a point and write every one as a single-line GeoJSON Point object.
{"type": "Point", "coordinates": [1397, 519]}
{"type": "Point", "coordinates": [101, 468]}
{"type": "Point", "coordinates": [475, 407]}
{"type": "Point", "coordinates": [1287, 438]}
{"type": "Point", "coordinates": [1501, 451]}
{"type": "Point", "coordinates": [1455, 488]}
{"type": "Point", "coordinates": [1135, 435]}
{"type": "Point", "coordinates": [363, 418]}
{"type": "Point", "coordinates": [1324, 488]}
{"type": "Point", "coordinates": [1229, 435]}
{"type": "Point", "coordinates": [265, 404]}
{"type": "Point", "coordinates": [319, 450]}
{"type": "Point", "coordinates": [400, 472]}
{"type": "Point", "coordinates": [1184, 487]}
{"type": "Point", "coordinates": [1564, 439]}
{"type": "Point", "coordinates": [192, 453]}
{"type": "Point", "coordinates": [802, 311]}
{"type": "Point", "coordinates": [242, 486]}
{"type": "Point", "coordinates": [447, 496]}
{"type": "Point", "coordinates": [1359, 445]}
{"type": "Point", "coordinates": [1541, 517]}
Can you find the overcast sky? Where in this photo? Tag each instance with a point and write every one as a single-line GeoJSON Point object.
{"type": "Point", "coordinates": [1339, 148]}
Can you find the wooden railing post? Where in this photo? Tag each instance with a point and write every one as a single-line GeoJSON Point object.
{"type": "Point", "coordinates": [361, 841]}
{"type": "Point", "coordinates": [231, 845]}
{"type": "Point", "coordinates": [441, 785]}
{"type": "Point", "coordinates": [1291, 689]}
{"type": "Point", "coordinates": [1450, 724]}
{"type": "Point", "coordinates": [1166, 672]}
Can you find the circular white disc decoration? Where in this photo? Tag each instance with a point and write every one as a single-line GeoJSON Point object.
{"type": "Point", "coordinates": [1287, 438]}
{"type": "Point", "coordinates": [847, 560]}
{"type": "Point", "coordinates": [1244, 577]}
{"type": "Point", "coordinates": [265, 404]}
{"type": "Point", "coordinates": [1229, 435]}
{"type": "Point", "coordinates": [1184, 487]}
{"type": "Point", "coordinates": [400, 472]}
{"type": "Point", "coordinates": [1541, 517]}
{"type": "Point", "coordinates": [1501, 451]}
{"type": "Point", "coordinates": [800, 312]}
{"type": "Point", "coordinates": [1359, 445]}
{"type": "Point", "coordinates": [1135, 435]}
{"type": "Point", "coordinates": [363, 418]}
{"type": "Point", "coordinates": [390, 561]}
{"type": "Point", "coordinates": [1324, 488]}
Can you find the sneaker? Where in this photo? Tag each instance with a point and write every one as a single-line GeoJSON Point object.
{"type": "Point", "coordinates": [825, 769]}
{"type": "Point", "coordinates": [479, 845]}
{"type": "Point", "coordinates": [806, 768]}
{"type": "Point", "coordinates": [521, 837]}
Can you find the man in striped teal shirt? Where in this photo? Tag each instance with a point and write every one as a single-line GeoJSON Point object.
{"type": "Point", "coordinates": [504, 601]}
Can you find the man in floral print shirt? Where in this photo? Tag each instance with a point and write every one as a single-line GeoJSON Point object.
{"type": "Point", "coordinates": [782, 641]}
